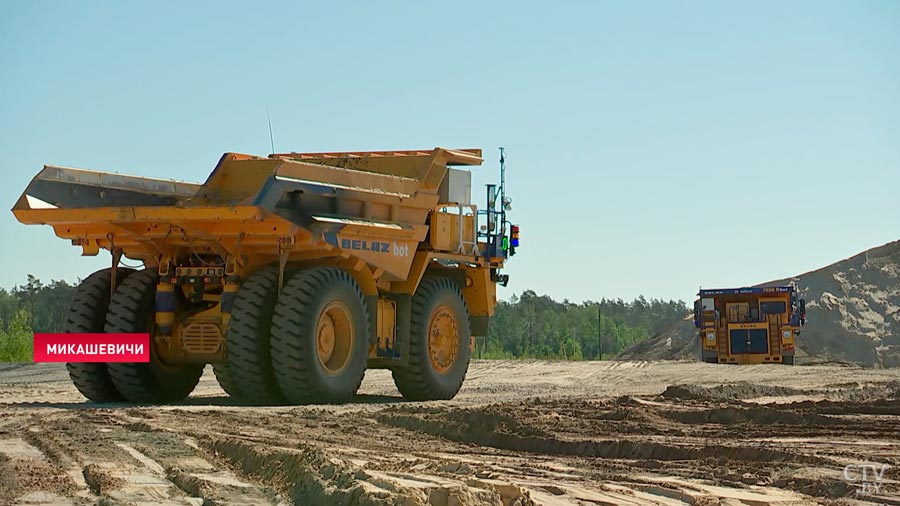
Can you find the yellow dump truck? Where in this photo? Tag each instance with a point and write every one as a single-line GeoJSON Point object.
{"type": "Point", "coordinates": [749, 325]}
{"type": "Point", "coordinates": [290, 274]}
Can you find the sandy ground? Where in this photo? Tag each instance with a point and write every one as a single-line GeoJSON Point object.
{"type": "Point", "coordinates": [519, 433]}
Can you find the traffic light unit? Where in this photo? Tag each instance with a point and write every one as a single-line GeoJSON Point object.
{"type": "Point", "coordinates": [513, 239]}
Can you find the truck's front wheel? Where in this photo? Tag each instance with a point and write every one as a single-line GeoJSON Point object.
{"type": "Point", "coordinates": [439, 343]}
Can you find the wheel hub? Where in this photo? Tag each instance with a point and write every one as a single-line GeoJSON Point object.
{"type": "Point", "coordinates": [325, 342]}
{"type": "Point", "coordinates": [335, 337]}
{"type": "Point", "coordinates": [443, 339]}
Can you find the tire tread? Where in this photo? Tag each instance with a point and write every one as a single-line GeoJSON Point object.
{"type": "Point", "coordinates": [87, 314]}
{"type": "Point", "coordinates": [292, 314]}
{"type": "Point", "coordinates": [248, 336]}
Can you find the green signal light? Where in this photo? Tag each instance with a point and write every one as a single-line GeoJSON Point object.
{"type": "Point", "coordinates": [504, 243]}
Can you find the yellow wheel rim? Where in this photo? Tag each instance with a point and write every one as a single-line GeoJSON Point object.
{"type": "Point", "coordinates": [335, 337]}
{"type": "Point", "coordinates": [443, 339]}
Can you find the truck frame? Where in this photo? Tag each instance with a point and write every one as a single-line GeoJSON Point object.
{"type": "Point", "coordinates": [749, 325]}
{"type": "Point", "coordinates": [291, 274]}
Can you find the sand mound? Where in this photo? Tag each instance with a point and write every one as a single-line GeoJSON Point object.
{"type": "Point", "coordinates": [853, 307]}
{"type": "Point", "coordinates": [730, 392]}
{"type": "Point", "coordinates": [853, 313]}
{"type": "Point", "coordinates": [678, 342]}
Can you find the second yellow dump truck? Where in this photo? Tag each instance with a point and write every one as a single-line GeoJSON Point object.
{"type": "Point", "coordinates": [749, 325]}
{"type": "Point", "coordinates": [291, 273]}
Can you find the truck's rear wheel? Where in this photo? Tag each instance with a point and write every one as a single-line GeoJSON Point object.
{"type": "Point", "coordinates": [439, 343]}
{"type": "Point", "coordinates": [225, 379]}
{"type": "Point", "coordinates": [248, 336]}
{"type": "Point", "coordinates": [87, 314]}
{"type": "Point", "coordinates": [320, 337]}
{"type": "Point", "coordinates": [131, 310]}
{"type": "Point", "coordinates": [787, 359]}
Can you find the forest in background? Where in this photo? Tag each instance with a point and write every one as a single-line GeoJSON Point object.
{"type": "Point", "coordinates": [536, 326]}
{"type": "Point", "coordinates": [32, 307]}
{"type": "Point", "coordinates": [528, 325]}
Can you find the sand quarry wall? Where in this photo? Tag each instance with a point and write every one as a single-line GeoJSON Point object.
{"type": "Point", "coordinates": [853, 313]}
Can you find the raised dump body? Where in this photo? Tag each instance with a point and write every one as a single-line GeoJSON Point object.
{"type": "Point", "coordinates": [290, 273]}
{"type": "Point", "coordinates": [749, 325]}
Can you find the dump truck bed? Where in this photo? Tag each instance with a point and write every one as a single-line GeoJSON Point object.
{"type": "Point", "coordinates": [369, 205]}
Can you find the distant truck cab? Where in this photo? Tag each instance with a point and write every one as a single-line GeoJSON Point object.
{"type": "Point", "coordinates": [749, 325]}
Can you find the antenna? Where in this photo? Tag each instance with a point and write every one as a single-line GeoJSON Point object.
{"type": "Point", "coordinates": [502, 190]}
{"type": "Point", "coordinates": [271, 137]}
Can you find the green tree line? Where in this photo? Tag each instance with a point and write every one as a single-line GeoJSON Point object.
{"type": "Point", "coordinates": [32, 307]}
{"type": "Point", "coordinates": [536, 326]}
{"type": "Point", "coordinates": [526, 326]}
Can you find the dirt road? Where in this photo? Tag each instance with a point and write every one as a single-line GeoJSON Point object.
{"type": "Point", "coordinates": [519, 433]}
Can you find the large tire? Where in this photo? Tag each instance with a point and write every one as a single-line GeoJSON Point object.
{"type": "Point", "coordinates": [131, 310]}
{"type": "Point", "coordinates": [431, 374]}
{"type": "Point", "coordinates": [226, 379]}
{"type": "Point", "coordinates": [248, 334]}
{"type": "Point", "coordinates": [87, 314]}
{"type": "Point", "coordinates": [787, 359]}
{"type": "Point", "coordinates": [320, 337]}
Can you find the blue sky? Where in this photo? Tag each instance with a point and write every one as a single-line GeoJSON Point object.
{"type": "Point", "coordinates": [652, 146]}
